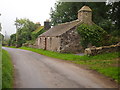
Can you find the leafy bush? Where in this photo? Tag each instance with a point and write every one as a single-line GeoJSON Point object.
{"type": "Point", "coordinates": [116, 33]}
{"type": "Point", "coordinates": [113, 40]}
{"type": "Point", "coordinates": [91, 34]}
{"type": "Point", "coordinates": [12, 40]}
{"type": "Point", "coordinates": [24, 29]}
{"type": "Point", "coordinates": [36, 34]}
{"type": "Point", "coordinates": [31, 42]}
{"type": "Point", "coordinates": [107, 25]}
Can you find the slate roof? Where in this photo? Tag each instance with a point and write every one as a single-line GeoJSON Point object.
{"type": "Point", "coordinates": [60, 29]}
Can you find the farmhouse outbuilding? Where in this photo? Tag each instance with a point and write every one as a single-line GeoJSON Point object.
{"type": "Point", "coordinates": [64, 37]}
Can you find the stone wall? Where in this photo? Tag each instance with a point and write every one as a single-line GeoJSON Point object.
{"type": "Point", "coordinates": [55, 44]}
{"type": "Point", "coordinates": [41, 42]}
{"type": "Point", "coordinates": [48, 43]}
{"type": "Point", "coordinates": [104, 49]}
{"type": "Point", "coordinates": [30, 45]}
{"type": "Point", "coordinates": [70, 42]}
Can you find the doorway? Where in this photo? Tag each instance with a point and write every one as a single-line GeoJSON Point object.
{"type": "Point", "coordinates": [45, 44]}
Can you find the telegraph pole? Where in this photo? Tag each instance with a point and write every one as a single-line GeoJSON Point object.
{"type": "Point", "coordinates": [16, 33]}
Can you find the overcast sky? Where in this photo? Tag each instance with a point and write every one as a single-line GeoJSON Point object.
{"type": "Point", "coordinates": [35, 10]}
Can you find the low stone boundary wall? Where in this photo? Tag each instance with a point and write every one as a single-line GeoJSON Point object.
{"type": "Point", "coordinates": [104, 49]}
{"type": "Point", "coordinates": [30, 45]}
{"type": "Point", "coordinates": [33, 46]}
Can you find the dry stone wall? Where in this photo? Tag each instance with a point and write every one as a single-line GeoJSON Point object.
{"type": "Point", "coordinates": [105, 49]}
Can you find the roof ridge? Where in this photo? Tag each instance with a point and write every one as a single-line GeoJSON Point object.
{"type": "Point", "coordinates": [68, 22]}
{"type": "Point", "coordinates": [74, 25]}
{"type": "Point", "coordinates": [61, 28]}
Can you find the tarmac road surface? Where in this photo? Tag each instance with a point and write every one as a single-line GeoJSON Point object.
{"type": "Point", "coordinates": [33, 70]}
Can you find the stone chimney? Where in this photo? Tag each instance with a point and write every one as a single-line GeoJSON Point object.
{"type": "Point", "coordinates": [47, 25]}
{"type": "Point", "coordinates": [85, 14]}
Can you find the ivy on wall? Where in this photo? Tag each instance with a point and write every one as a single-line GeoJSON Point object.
{"type": "Point", "coordinates": [91, 34]}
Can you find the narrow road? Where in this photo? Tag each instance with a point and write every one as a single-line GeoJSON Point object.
{"type": "Point", "coordinates": [33, 70]}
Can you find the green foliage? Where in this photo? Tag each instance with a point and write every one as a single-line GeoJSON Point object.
{"type": "Point", "coordinates": [106, 56]}
{"type": "Point", "coordinates": [112, 72]}
{"type": "Point", "coordinates": [37, 32]}
{"type": "Point", "coordinates": [0, 27]}
{"type": "Point", "coordinates": [107, 25]}
{"type": "Point", "coordinates": [35, 35]}
{"type": "Point", "coordinates": [31, 42]}
{"type": "Point", "coordinates": [91, 34]}
{"type": "Point", "coordinates": [1, 38]}
{"type": "Point", "coordinates": [113, 40]}
{"type": "Point", "coordinates": [12, 40]}
{"type": "Point", "coordinates": [7, 70]}
{"type": "Point", "coordinates": [106, 63]}
{"type": "Point", "coordinates": [24, 27]}
{"type": "Point", "coordinates": [67, 11]}
{"type": "Point", "coordinates": [38, 29]}
{"type": "Point", "coordinates": [116, 33]}
{"type": "Point", "coordinates": [115, 13]}
{"type": "Point", "coordinates": [26, 31]}
{"type": "Point", "coordinates": [25, 24]}
{"type": "Point", "coordinates": [104, 15]}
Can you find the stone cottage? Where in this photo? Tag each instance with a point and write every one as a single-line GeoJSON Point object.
{"type": "Point", "coordinates": [64, 37]}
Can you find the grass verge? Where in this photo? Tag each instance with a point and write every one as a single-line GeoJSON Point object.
{"type": "Point", "coordinates": [106, 64]}
{"type": "Point", "coordinates": [7, 70]}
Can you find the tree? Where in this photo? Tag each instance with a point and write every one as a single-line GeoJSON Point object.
{"type": "Point", "coordinates": [105, 15]}
{"type": "Point", "coordinates": [12, 40]}
{"type": "Point", "coordinates": [115, 18]}
{"type": "Point", "coordinates": [67, 11]}
{"type": "Point", "coordinates": [24, 28]}
{"type": "Point", "coordinates": [115, 13]}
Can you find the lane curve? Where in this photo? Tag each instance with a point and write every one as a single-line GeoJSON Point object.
{"type": "Point", "coordinates": [33, 70]}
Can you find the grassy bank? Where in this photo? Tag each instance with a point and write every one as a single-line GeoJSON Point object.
{"type": "Point", "coordinates": [7, 70]}
{"type": "Point", "coordinates": [107, 64]}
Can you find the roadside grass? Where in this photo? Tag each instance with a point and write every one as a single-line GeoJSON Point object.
{"type": "Point", "coordinates": [7, 70]}
{"type": "Point", "coordinates": [106, 64]}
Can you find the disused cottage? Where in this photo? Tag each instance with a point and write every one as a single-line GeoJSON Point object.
{"type": "Point", "coordinates": [64, 37]}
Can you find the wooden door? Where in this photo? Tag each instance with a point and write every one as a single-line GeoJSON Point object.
{"type": "Point", "coordinates": [45, 43]}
